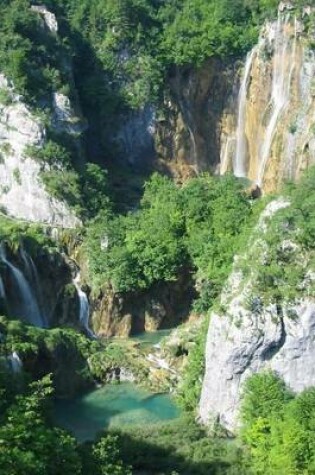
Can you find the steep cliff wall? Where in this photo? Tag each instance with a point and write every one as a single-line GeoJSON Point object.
{"type": "Point", "coordinates": [22, 129]}
{"type": "Point", "coordinates": [250, 335]}
{"type": "Point", "coordinates": [274, 138]}
{"type": "Point", "coordinates": [165, 305]}
{"type": "Point", "coordinates": [257, 120]}
{"type": "Point", "coordinates": [199, 105]}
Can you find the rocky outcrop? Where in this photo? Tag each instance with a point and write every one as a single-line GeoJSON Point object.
{"type": "Point", "coordinates": [165, 305]}
{"type": "Point", "coordinates": [248, 337]}
{"type": "Point", "coordinates": [22, 194]}
{"type": "Point", "coordinates": [63, 359]}
{"type": "Point", "coordinates": [22, 131]}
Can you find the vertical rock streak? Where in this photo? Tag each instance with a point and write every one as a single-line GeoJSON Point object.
{"type": "Point", "coordinates": [239, 166]}
{"type": "Point", "coordinates": [276, 103]}
{"type": "Point", "coordinates": [283, 64]}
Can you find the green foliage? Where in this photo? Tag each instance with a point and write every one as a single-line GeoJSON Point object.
{"type": "Point", "coordinates": [180, 446]}
{"type": "Point", "coordinates": [288, 253]}
{"type": "Point", "coordinates": [279, 428]}
{"type": "Point", "coordinates": [94, 186]}
{"type": "Point", "coordinates": [31, 235]}
{"type": "Point", "coordinates": [143, 247]}
{"type": "Point", "coordinates": [52, 154]}
{"type": "Point", "coordinates": [28, 444]}
{"type": "Point", "coordinates": [188, 392]}
{"type": "Point", "coordinates": [196, 226]}
{"type": "Point", "coordinates": [29, 56]}
{"type": "Point", "coordinates": [107, 454]}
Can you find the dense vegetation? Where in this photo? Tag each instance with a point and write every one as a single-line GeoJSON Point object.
{"type": "Point", "coordinates": [196, 226]}
{"type": "Point", "coordinates": [278, 426]}
{"type": "Point", "coordinates": [284, 270]}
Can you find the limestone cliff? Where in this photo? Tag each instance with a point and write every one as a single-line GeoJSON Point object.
{"type": "Point", "coordinates": [274, 138]}
{"type": "Point", "coordinates": [22, 129]}
{"type": "Point", "coordinates": [257, 121]}
{"type": "Point", "coordinates": [249, 335]}
{"type": "Point", "coordinates": [198, 105]}
{"type": "Point", "coordinates": [165, 305]}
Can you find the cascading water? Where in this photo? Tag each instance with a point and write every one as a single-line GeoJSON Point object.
{"type": "Point", "coordinates": [274, 139]}
{"type": "Point", "coordinates": [239, 165]}
{"type": "Point", "coordinates": [225, 157]}
{"type": "Point", "coordinates": [25, 304]}
{"type": "Point", "coordinates": [32, 275]}
{"type": "Point", "coordinates": [15, 362]}
{"type": "Point", "coordinates": [84, 314]}
{"type": "Point", "coordinates": [2, 289]}
{"type": "Point", "coordinates": [280, 93]}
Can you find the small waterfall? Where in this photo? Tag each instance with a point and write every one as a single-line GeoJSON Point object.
{"type": "Point", "coordinates": [15, 362]}
{"type": "Point", "coordinates": [226, 155]}
{"type": "Point", "coordinates": [239, 165]}
{"type": "Point", "coordinates": [25, 305]}
{"type": "Point", "coordinates": [32, 275]}
{"type": "Point", "coordinates": [280, 94]}
{"type": "Point", "coordinates": [84, 314]}
{"type": "Point", "coordinates": [2, 289]}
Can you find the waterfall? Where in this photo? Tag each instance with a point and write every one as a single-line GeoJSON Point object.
{"type": "Point", "coordinates": [280, 93]}
{"type": "Point", "coordinates": [32, 275]}
{"type": "Point", "coordinates": [239, 165]}
{"type": "Point", "coordinates": [25, 304]}
{"type": "Point", "coordinates": [225, 156]}
{"type": "Point", "coordinates": [84, 311]}
{"type": "Point", "coordinates": [2, 289]}
{"type": "Point", "coordinates": [15, 362]}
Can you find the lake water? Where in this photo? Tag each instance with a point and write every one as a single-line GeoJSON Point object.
{"type": "Point", "coordinates": [113, 406]}
{"type": "Point", "coordinates": [151, 338]}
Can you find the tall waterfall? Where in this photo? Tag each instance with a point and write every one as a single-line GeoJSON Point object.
{"type": "Point", "coordinates": [84, 311]}
{"type": "Point", "coordinates": [280, 92]}
{"type": "Point", "coordinates": [25, 305]}
{"type": "Point", "coordinates": [239, 165]}
{"type": "Point", "coordinates": [276, 104]}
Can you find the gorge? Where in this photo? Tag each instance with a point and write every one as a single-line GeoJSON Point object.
{"type": "Point", "coordinates": [157, 226]}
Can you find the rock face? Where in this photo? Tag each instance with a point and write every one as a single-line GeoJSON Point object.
{"type": "Point", "coordinates": [22, 193]}
{"type": "Point", "coordinates": [199, 106]}
{"type": "Point", "coordinates": [274, 137]}
{"type": "Point", "coordinates": [165, 305]}
{"type": "Point", "coordinates": [259, 121]}
{"type": "Point", "coordinates": [136, 137]}
{"type": "Point", "coordinates": [247, 339]}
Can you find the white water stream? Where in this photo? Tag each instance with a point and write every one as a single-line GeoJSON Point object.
{"type": "Point", "coordinates": [84, 312]}
{"type": "Point", "coordinates": [239, 165]}
{"type": "Point", "coordinates": [280, 93]}
{"type": "Point", "coordinates": [26, 305]}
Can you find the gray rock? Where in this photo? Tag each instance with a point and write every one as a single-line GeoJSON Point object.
{"type": "Point", "coordinates": [22, 194]}
{"type": "Point", "coordinates": [250, 338]}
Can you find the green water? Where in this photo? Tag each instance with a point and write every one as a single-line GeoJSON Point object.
{"type": "Point", "coordinates": [151, 338]}
{"type": "Point", "coordinates": [113, 406]}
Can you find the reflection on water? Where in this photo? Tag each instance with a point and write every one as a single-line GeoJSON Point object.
{"type": "Point", "coordinates": [113, 406]}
